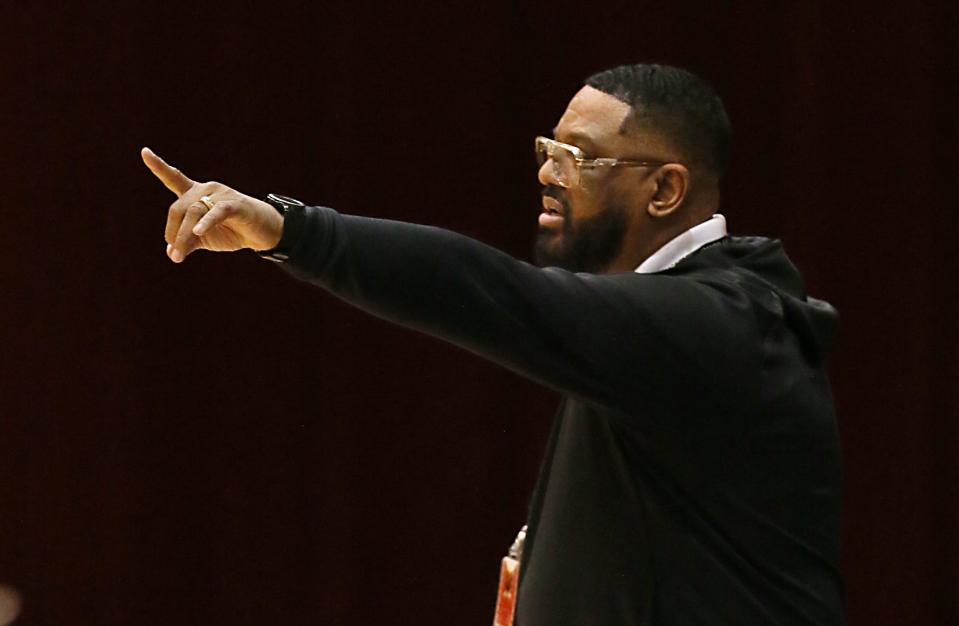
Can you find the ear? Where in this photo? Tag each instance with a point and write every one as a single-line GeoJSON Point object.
{"type": "Point", "coordinates": [672, 185]}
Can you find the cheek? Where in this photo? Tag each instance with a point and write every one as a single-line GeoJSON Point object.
{"type": "Point", "coordinates": [625, 194]}
{"type": "Point", "coordinates": [585, 202]}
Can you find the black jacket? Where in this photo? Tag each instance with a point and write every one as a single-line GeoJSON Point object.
{"type": "Point", "coordinates": [693, 474]}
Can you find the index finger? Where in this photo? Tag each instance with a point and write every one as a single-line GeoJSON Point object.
{"type": "Point", "coordinates": [174, 180]}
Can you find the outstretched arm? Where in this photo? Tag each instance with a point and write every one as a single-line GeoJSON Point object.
{"type": "Point", "coordinates": [626, 340]}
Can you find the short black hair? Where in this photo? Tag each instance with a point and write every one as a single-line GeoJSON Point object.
{"type": "Point", "coordinates": [676, 101]}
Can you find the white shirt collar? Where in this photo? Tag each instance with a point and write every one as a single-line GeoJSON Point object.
{"type": "Point", "coordinates": [684, 244]}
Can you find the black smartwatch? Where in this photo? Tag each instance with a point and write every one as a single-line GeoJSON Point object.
{"type": "Point", "coordinates": [282, 204]}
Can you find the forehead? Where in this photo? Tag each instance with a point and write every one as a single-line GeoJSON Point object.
{"type": "Point", "coordinates": [592, 117]}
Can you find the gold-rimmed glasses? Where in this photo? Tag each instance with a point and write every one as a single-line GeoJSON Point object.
{"type": "Point", "coordinates": [568, 161]}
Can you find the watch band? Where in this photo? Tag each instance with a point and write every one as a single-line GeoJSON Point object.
{"type": "Point", "coordinates": [282, 204]}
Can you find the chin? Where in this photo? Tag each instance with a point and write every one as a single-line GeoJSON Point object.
{"type": "Point", "coordinates": [548, 250]}
{"type": "Point", "coordinates": [591, 248]}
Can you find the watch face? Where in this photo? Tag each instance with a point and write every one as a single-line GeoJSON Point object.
{"type": "Point", "coordinates": [284, 200]}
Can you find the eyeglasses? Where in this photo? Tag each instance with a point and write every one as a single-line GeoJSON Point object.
{"type": "Point", "coordinates": [569, 160]}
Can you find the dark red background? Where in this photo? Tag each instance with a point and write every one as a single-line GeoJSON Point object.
{"type": "Point", "coordinates": [215, 443]}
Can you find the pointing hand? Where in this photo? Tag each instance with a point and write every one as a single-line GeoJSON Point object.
{"type": "Point", "coordinates": [211, 216]}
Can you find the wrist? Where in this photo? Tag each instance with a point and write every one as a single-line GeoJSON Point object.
{"type": "Point", "coordinates": [272, 228]}
{"type": "Point", "coordinates": [279, 246]}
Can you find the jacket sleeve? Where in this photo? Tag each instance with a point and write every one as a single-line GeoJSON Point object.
{"type": "Point", "coordinates": [623, 340]}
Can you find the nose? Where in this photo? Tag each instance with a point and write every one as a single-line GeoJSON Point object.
{"type": "Point", "coordinates": [547, 174]}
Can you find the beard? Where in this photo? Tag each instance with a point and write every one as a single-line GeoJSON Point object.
{"type": "Point", "coordinates": [584, 245]}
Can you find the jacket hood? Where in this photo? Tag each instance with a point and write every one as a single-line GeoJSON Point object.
{"type": "Point", "coordinates": [814, 321]}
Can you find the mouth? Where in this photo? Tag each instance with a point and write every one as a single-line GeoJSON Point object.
{"type": "Point", "coordinates": [552, 215]}
{"type": "Point", "coordinates": [552, 205]}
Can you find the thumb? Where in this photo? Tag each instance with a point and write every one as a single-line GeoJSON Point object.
{"type": "Point", "coordinates": [174, 180]}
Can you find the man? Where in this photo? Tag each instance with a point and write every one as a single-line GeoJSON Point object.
{"type": "Point", "coordinates": [692, 475]}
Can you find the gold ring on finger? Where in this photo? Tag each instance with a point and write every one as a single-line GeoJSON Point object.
{"type": "Point", "coordinates": [208, 201]}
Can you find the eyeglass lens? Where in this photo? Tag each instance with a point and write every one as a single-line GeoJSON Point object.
{"type": "Point", "coordinates": [563, 162]}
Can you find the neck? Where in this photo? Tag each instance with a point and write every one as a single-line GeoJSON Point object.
{"type": "Point", "coordinates": [656, 233]}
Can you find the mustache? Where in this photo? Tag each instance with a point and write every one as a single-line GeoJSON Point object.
{"type": "Point", "coordinates": [556, 193]}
